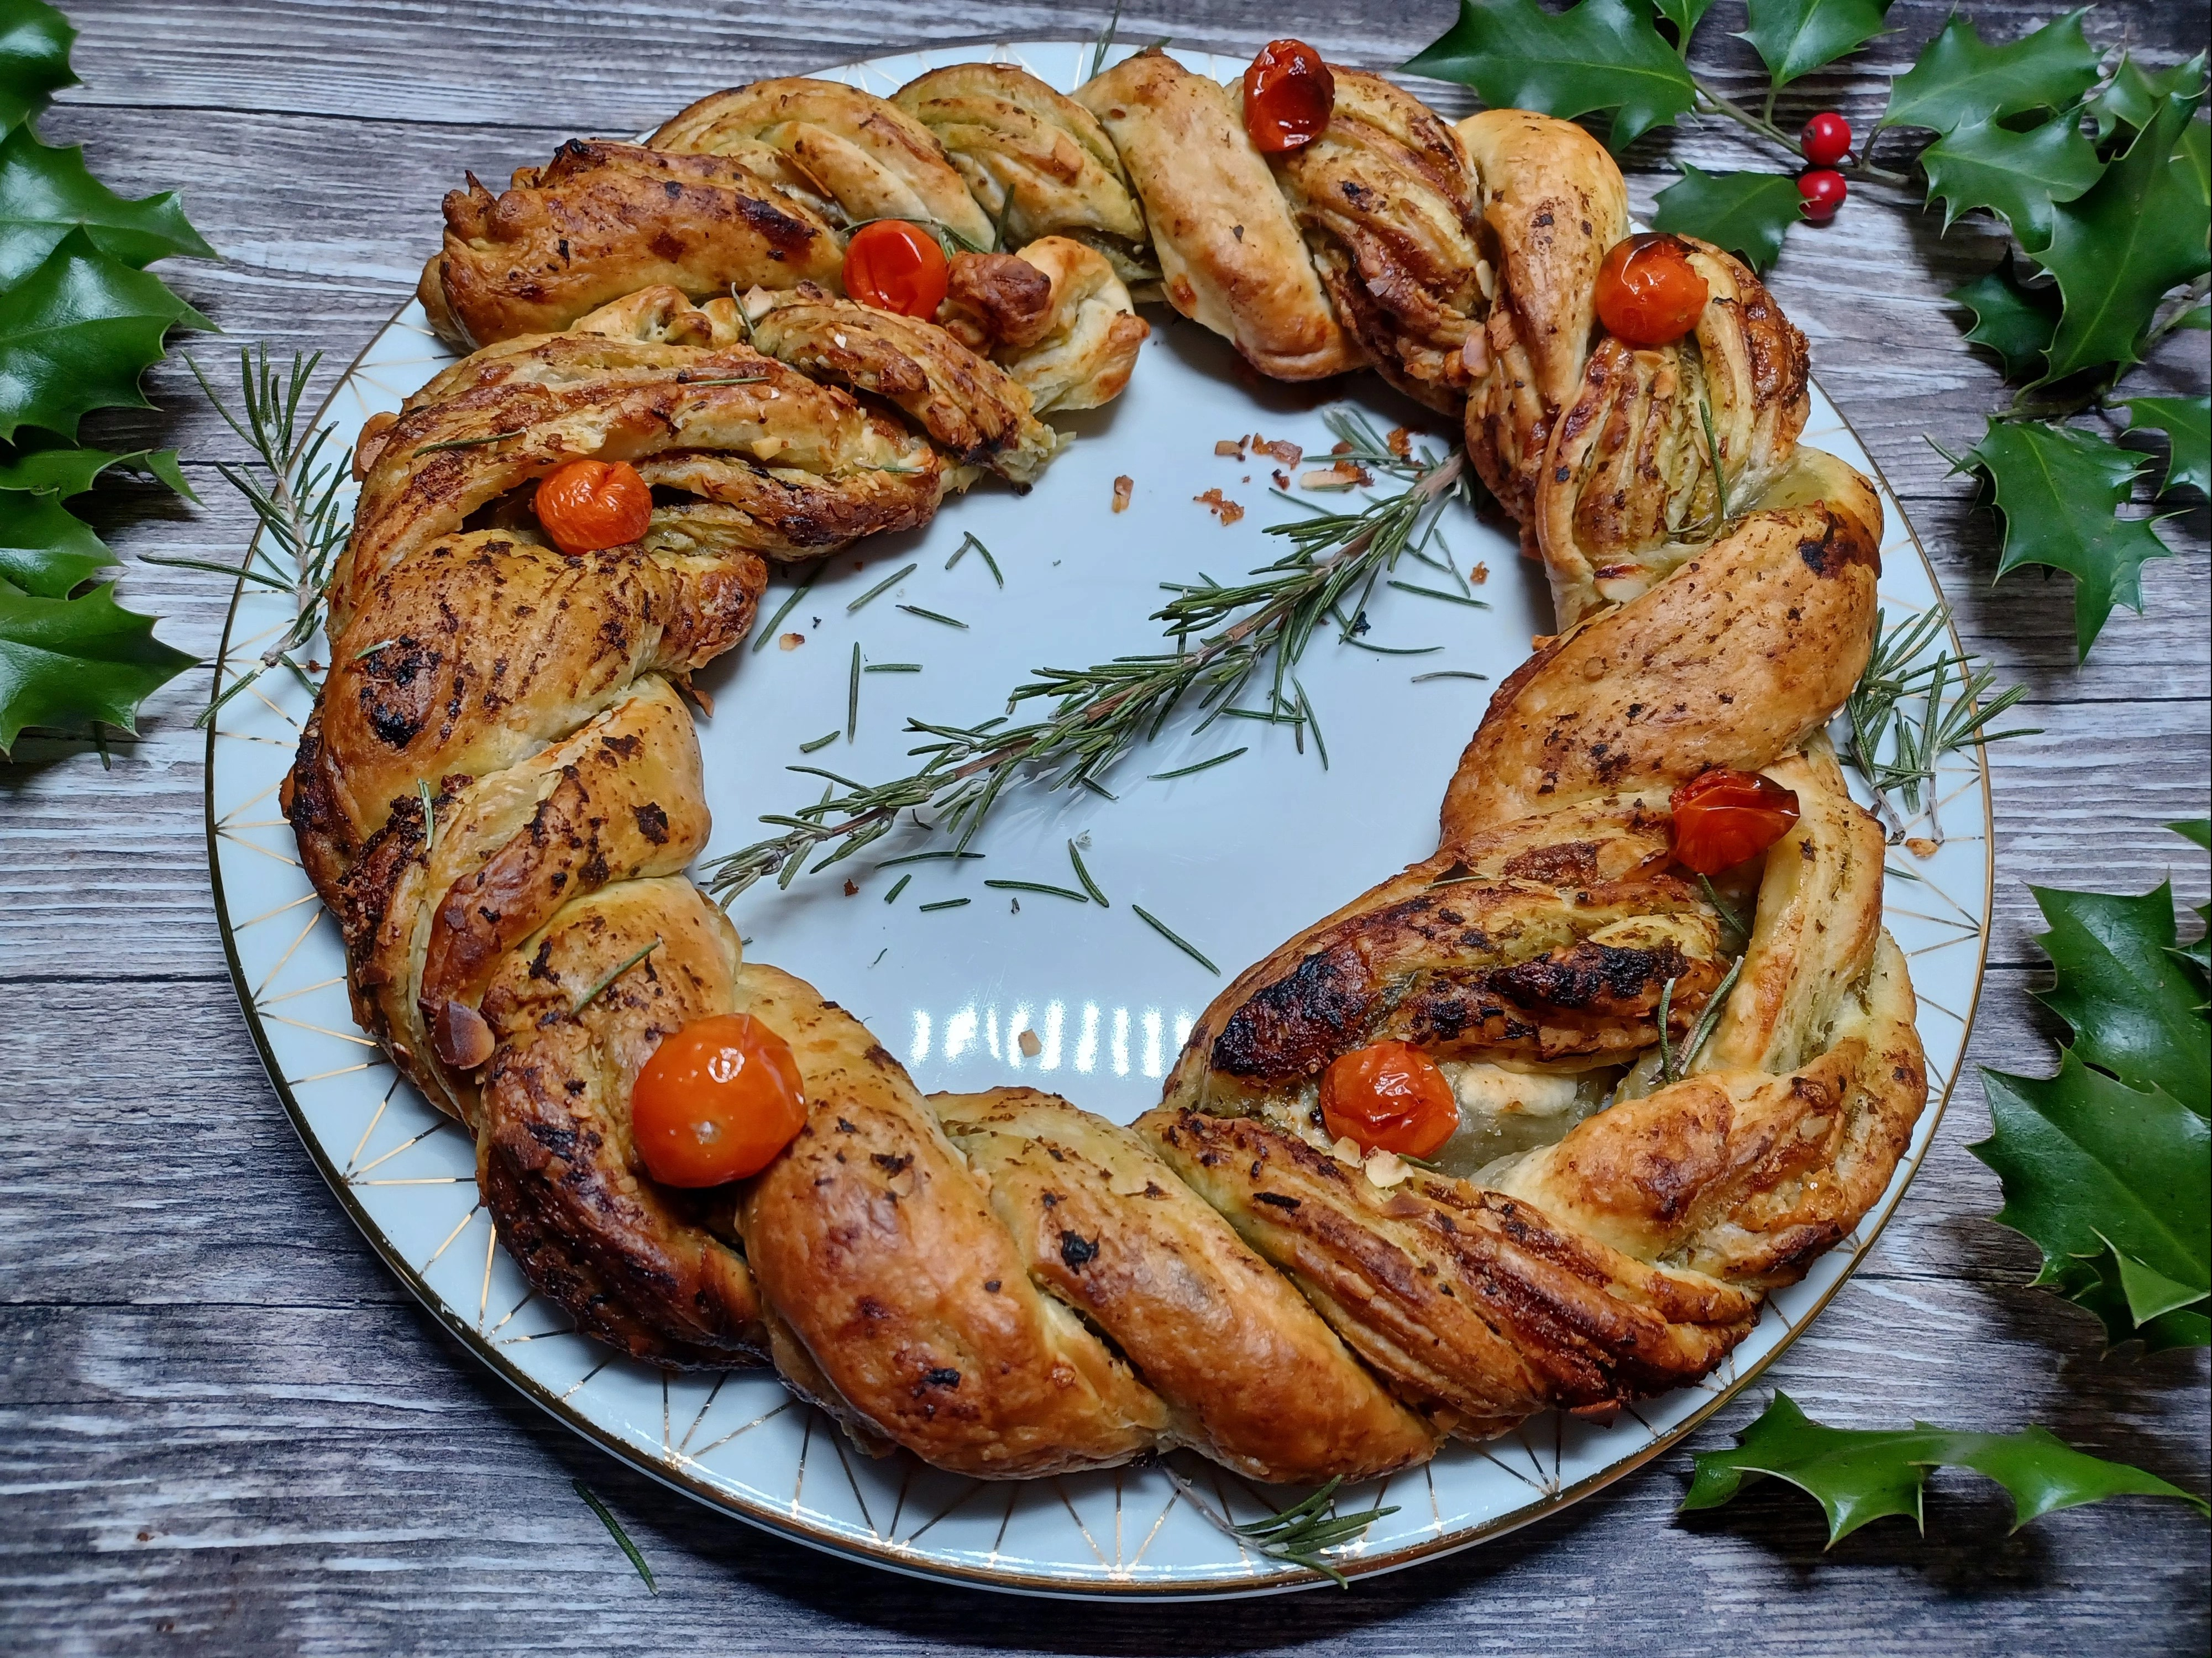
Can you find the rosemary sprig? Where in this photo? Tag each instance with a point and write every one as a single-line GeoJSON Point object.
{"type": "Point", "coordinates": [295, 501]}
{"type": "Point", "coordinates": [1735, 923]}
{"type": "Point", "coordinates": [615, 1531]}
{"type": "Point", "coordinates": [1948, 691]}
{"type": "Point", "coordinates": [1673, 1066]}
{"type": "Point", "coordinates": [1301, 1533]}
{"type": "Point", "coordinates": [1225, 636]}
{"type": "Point", "coordinates": [1720, 475]}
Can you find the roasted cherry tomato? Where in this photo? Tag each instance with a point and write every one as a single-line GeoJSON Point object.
{"type": "Point", "coordinates": [1824, 189]}
{"type": "Point", "coordinates": [1724, 817]}
{"type": "Point", "coordinates": [716, 1101]}
{"type": "Point", "coordinates": [1390, 1096]}
{"type": "Point", "coordinates": [1648, 292]}
{"type": "Point", "coordinates": [895, 266]}
{"type": "Point", "coordinates": [1827, 139]}
{"type": "Point", "coordinates": [591, 504]}
{"type": "Point", "coordinates": [1288, 94]}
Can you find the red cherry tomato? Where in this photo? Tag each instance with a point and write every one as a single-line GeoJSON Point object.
{"type": "Point", "coordinates": [1648, 292]}
{"type": "Point", "coordinates": [716, 1101]}
{"type": "Point", "coordinates": [1827, 139]}
{"type": "Point", "coordinates": [1390, 1096]}
{"type": "Point", "coordinates": [895, 266]}
{"type": "Point", "coordinates": [588, 505]}
{"type": "Point", "coordinates": [1824, 190]}
{"type": "Point", "coordinates": [1288, 94]}
{"type": "Point", "coordinates": [1723, 816]}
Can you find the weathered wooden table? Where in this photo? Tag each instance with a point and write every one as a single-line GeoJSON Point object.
{"type": "Point", "coordinates": [227, 1429]}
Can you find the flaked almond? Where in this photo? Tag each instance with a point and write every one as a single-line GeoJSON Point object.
{"type": "Point", "coordinates": [1346, 1150]}
{"type": "Point", "coordinates": [1920, 845]}
{"type": "Point", "coordinates": [1341, 476]}
{"type": "Point", "coordinates": [1230, 446]}
{"type": "Point", "coordinates": [1030, 1043]}
{"type": "Point", "coordinates": [790, 641]}
{"type": "Point", "coordinates": [1383, 1170]}
{"type": "Point", "coordinates": [1124, 486]}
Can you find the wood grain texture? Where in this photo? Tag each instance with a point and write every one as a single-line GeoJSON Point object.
{"type": "Point", "coordinates": [227, 1431]}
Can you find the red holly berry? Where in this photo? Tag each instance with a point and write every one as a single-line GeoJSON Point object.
{"type": "Point", "coordinates": [1824, 190]}
{"type": "Point", "coordinates": [1827, 139]}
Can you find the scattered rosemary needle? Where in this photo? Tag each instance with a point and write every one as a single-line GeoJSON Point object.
{"type": "Point", "coordinates": [760, 643]}
{"type": "Point", "coordinates": [944, 903]}
{"type": "Point", "coordinates": [1203, 765]}
{"type": "Point", "coordinates": [853, 695]}
{"type": "Point", "coordinates": [898, 887]}
{"type": "Point", "coordinates": [1438, 592]}
{"type": "Point", "coordinates": [1735, 922]}
{"type": "Point", "coordinates": [615, 1531]}
{"type": "Point", "coordinates": [1447, 673]}
{"type": "Point", "coordinates": [1311, 722]}
{"type": "Point", "coordinates": [380, 645]}
{"type": "Point", "coordinates": [881, 587]}
{"type": "Point", "coordinates": [470, 443]}
{"type": "Point", "coordinates": [932, 615]}
{"type": "Point", "coordinates": [730, 379]}
{"type": "Point", "coordinates": [1075, 857]}
{"type": "Point", "coordinates": [928, 858]}
{"type": "Point", "coordinates": [1039, 886]}
{"type": "Point", "coordinates": [429, 817]}
{"type": "Point", "coordinates": [1665, 1011]}
{"type": "Point", "coordinates": [821, 742]}
{"type": "Point", "coordinates": [892, 667]}
{"type": "Point", "coordinates": [971, 539]}
{"type": "Point", "coordinates": [1175, 938]}
{"type": "Point", "coordinates": [1687, 1055]}
{"type": "Point", "coordinates": [594, 994]}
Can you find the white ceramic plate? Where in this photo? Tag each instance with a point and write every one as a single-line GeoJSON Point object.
{"type": "Point", "coordinates": [1234, 858]}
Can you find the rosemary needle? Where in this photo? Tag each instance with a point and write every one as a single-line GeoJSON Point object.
{"type": "Point", "coordinates": [615, 1531]}
{"type": "Point", "coordinates": [1169, 934]}
{"type": "Point", "coordinates": [1447, 673]}
{"type": "Point", "coordinates": [1438, 592]}
{"type": "Point", "coordinates": [470, 443]}
{"type": "Point", "coordinates": [1075, 857]}
{"type": "Point", "coordinates": [898, 887]}
{"type": "Point", "coordinates": [785, 609]}
{"type": "Point", "coordinates": [932, 616]}
{"type": "Point", "coordinates": [927, 857]}
{"type": "Point", "coordinates": [429, 817]}
{"type": "Point", "coordinates": [960, 552]}
{"type": "Point", "coordinates": [881, 587]}
{"type": "Point", "coordinates": [1312, 721]}
{"type": "Point", "coordinates": [1203, 765]}
{"type": "Point", "coordinates": [1039, 886]}
{"type": "Point", "coordinates": [892, 667]}
{"type": "Point", "coordinates": [944, 903]}
{"type": "Point", "coordinates": [592, 994]}
{"type": "Point", "coordinates": [853, 695]}
{"type": "Point", "coordinates": [821, 742]}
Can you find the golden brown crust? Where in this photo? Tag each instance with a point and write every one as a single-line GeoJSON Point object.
{"type": "Point", "coordinates": [1229, 251]}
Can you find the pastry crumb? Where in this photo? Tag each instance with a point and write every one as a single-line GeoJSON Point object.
{"type": "Point", "coordinates": [1230, 446]}
{"type": "Point", "coordinates": [1289, 453]}
{"type": "Point", "coordinates": [1478, 575]}
{"type": "Point", "coordinates": [1030, 1045]}
{"type": "Point", "coordinates": [852, 889]}
{"type": "Point", "coordinates": [1401, 441]}
{"type": "Point", "coordinates": [790, 641]}
{"type": "Point", "coordinates": [1920, 845]}
{"type": "Point", "coordinates": [1124, 486]}
{"type": "Point", "coordinates": [1221, 506]}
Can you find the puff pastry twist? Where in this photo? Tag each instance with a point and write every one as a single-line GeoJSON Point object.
{"type": "Point", "coordinates": [500, 788]}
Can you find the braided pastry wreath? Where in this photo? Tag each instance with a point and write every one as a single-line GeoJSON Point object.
{"type": "Point", "coordinates": [500, 791]}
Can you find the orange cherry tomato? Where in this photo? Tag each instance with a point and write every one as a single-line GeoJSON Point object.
{"type": "Point", "coordinates": [895, 266]}
{"type": "Point", "coordinates": [1288, 95]}
{"type": "Point", "coordinates": [591, 504]}
{"type": "Point", "coordinates": [716, 1101]}
{"type": "Point", "coordinates": [1724, 817]}
{"type": "Point", "coordinates": [1390, 1096]}
{"type": "Point", "coordinates": [1647, 291]}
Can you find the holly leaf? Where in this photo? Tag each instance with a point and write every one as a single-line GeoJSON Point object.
{"type": "Point", "coordinates": [1684, 14]}
{"type": "Point", "coordinates": [2011, 319]}
{"type": "Point", "coordinates": [2134, 94]}
{"type": "Point", "coordinates": [2019, 175]}
{"type": "Point", "coordinates": [2103, 1292]}
{"type": "Point", "coordinates": [65, 470]}
{"type": "Point", "coordinates": [44, 191]}
{"type": "Point", "coordinates": [1958, 79]}
{"type": "Point", "coordinates": [67, 662]}
{"type": "Point", "coordinates": [34, 52]}
{"type": "Point", "coordinates": [47, 550]}
{"type": "Point", "coordinates": [2119, 250]}
{"type": "Point", "coordinates": [1747, 213]}
{"type": "Point", "coordinates": [2199, 950]}
{"type": "Point", "coordinates": [76, 333]}
{"type": "Point", "coordinates": [1597, 56]}
{"type": "Point", "coordinates": [1862, 1474]}
{"type": "Point", "coordinates": [2059, 491]}
{"type": "Point", "coordinates": [1796, 37]}
{"type": "Point", "coordinates": [2134, 1010]}
{"type": "Point", "coordinates": [2187, 424]}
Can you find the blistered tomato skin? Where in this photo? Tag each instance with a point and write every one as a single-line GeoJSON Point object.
{"type": "Point", "coordinates": [1649, 294]}
{"type": "Point", "coordinates": [716, 1101]}
{"type": "Point", "coordinates": [1390, 1096]}
{"type": "Point", "coordinates": [1288, 94]}
{"type": "Point", "coordinates": [895, 266]}
{"type": "Point", "coordinates": [587, 506]}
{"type": "Point", "coordinates": [1724, 817]}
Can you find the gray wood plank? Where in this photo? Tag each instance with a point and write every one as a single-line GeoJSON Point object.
{"type": "Point", "coordinates": [228, 1430]}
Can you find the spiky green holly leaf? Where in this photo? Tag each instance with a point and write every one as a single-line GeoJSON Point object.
{"type": "Point", "coordinates": [1597, 56]}
{"type": "Point", "coordinates": [65, 470]}
{"type": "Point", "coordinates": [1796, 37]}
{"type": "Point", "coordinates": [1747, 213]}
{"type": "Point", "coordinates": [2135, 1010]}
{"type": "Point", "coordinates": [2019, 175]}
{"type": "Point", "coordinates": [65, 663]}
{"type": "Point", "coordinates": [2117, 252]}
{"type": "Point", "coordinates": [45, 191]}
{"type": "Point", "coordinates": [47, 550]}
{"type": "Point", "coordinates": [76, 333]}
{"type": "Point", "coordinates": [2012, 318]}
{"type": "Point", "coordinates": [2187, 424]}
{"type": "Point", "coordinates": [2058, 492]}
{"type": "Point", "coordinates": [2121, 1294]}
{"type": "Point", "coordinates": [1684, 14]}
{"type": "Point", "coordinates": [34, 53]}
{"type": "Point", "coordinates": [1861, 1474]}
{"type": "Point", "coordinates": [2198, 950]}
{"type": "Point", "coordinates": [2134, 94]}
{"type": "Point", "coordinates": [1957, 78]}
